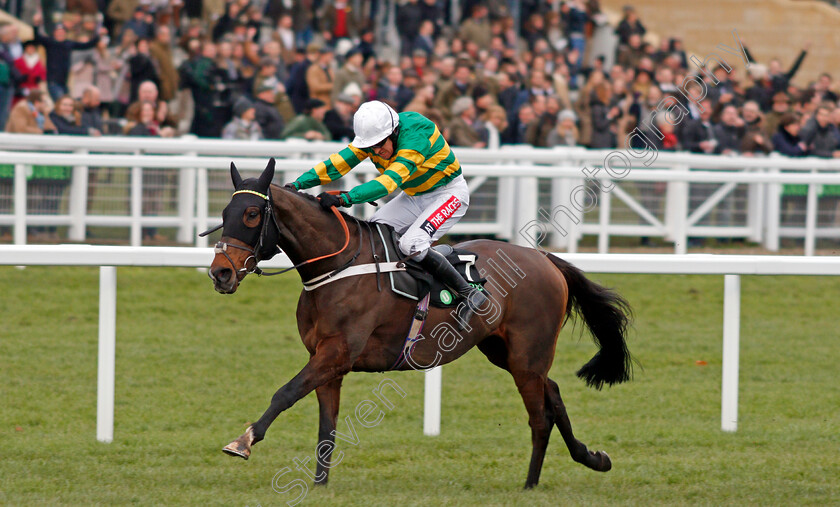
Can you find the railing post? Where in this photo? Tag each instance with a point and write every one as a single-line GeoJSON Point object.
{"type": "Point", "coordinates": [560, 191]}
{"type": "Point", "coordinates": [772, 213]}
{"type": "Point", "coordinates": [20, 204]}
{"type": "Point", "coordinates": [604, 221]}
{"type": "Point", "coordinates": [731, 338]}
{"type": "Point", "coordinates": [755, 210]}
{"type": "Point", "coordinates": [107, 353]}
{"type": "Point", "coordinates": [136, 205]}
{"type": "Point", "coordinates": [78, 200]}
{"type": "Point", "coordinates": [811, 218]}
{"type": "Point", "coordinates": [202, 204]}
{"type": "Point", "coordinates": [431, 410]}
{"type": "Point", "coordinates": [676, 211]}
{"type": "Point", "coordinates": [527, 196]}
{"type": "Point", "coordinates": [186, 201]}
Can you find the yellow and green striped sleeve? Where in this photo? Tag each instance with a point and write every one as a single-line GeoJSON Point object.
{"type": "Point", "coordinates": [398, 172]}
{"type": "Point", "coordinates": [333, 168]}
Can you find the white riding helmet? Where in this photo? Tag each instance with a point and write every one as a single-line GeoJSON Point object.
{"type": "Point", "coordinates": [373, 122]}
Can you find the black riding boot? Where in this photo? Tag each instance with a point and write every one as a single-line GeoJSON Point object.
{"type": "Point", "coordinates": [437, 265]}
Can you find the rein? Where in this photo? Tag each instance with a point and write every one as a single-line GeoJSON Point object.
{"type": "Point", "coordinates": [221, 246]}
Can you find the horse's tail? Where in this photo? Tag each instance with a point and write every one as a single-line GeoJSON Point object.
{"type": "Point", "coordinates": [607, 315]}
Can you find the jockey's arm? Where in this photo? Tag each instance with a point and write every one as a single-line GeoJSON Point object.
{"type": "Point", "coordinates": [331, 169]}
{"type": "Point", "coordinates": [397, 172]}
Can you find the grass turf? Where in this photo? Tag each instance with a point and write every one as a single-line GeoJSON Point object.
{"type": "Point", "coordinates": [193, 368]}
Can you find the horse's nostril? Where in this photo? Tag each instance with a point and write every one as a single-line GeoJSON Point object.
{"type": "Point", "coordinates": [222, 275]}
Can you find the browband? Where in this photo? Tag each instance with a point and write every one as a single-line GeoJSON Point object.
{"type": "Point", "coordinates": [250, 192]}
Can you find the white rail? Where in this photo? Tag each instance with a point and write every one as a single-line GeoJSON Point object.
{"type": "Point", "coordinates": [108, 257]}
{"type": "Point", "coordinates": [515, 202]}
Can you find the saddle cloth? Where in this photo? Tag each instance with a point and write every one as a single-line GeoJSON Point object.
{"type": "Point", "coordinates": [415, 282]}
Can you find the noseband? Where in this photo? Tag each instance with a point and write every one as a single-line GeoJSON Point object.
{"type": "Point", "coordinates": [221, 247]}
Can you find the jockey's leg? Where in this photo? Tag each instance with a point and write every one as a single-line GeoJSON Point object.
{"type": "Point", "coordinates": [400, 212]}
{"type": "Point", "coordinates": [441, 211]}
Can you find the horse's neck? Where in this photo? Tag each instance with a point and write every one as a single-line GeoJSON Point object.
{"type": "Point", "coordinates": [307, 232]}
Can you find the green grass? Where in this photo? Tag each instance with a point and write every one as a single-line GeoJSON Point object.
{"type": "Point", "coordinates": [194, 367]}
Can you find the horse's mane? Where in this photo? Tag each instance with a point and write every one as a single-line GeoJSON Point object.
{"type": "Point", "coordinates": [314, 199]}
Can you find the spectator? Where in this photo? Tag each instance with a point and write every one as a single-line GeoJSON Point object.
{"type": "Point", "coordinates": [320, 76]}
{"type": "Point", "coordinates": [494, 122]}
{"type": "Point", "coordinates": [67, 120]}
{"type": "Point", "coordinates": [148, 92]}
{"type": "Point", "coordinates": [91, 114]}
{"type": "Point", "coordinates": [629, 25]}
{"type": "Point", "coordinates": [297, 87]}
{"type": "Point", "coordinates": [477, 28]}
{"type": "Point", "coordinates": [141, 68]}
{"type": "Point", "coordinates": [309, 124]}
{"type": "Point", "coordinates": [603, 116]}
{"type": "Point", "coordinates": [285, 36]}
{"type": "Point", "coordinates": [820, 135]}
{"type": "Point", "coordinates": [243, 125]}
{"type": "Point", "coordinates": [786, 140]}
{"type": "Point", "coordinates": [762, 89]}
{"type": "Point", "coordinates": [393, 91]}
{"type": "Point", "coordinates": [31, 68]}
{"type": "Point", "coordinates": [462, 84]}
{"type": "Point", "coordinates": [566, 132]}
{"type": "Point", "coordinates": [729, 132]}
{"type": "Point", "coordinates": [823, 88]}
{"type": "Point", "coordinates": [350, 72]}
{"type": "Point", "coordinates": [200, 76]}
{"type": "Point", "coordinates": [424, 43]}
{"type": "Point", "coordinates": [780, 107]}
{"type": "Point", "coordinates": [781, 80]}
{"type": "Point", "coordinates": [432, 11]}
{"type": "Point", "coordinates": [146, 124]}
{"type": "Point", "coordinates": [630, 54]}
{"type": "Point", "coordinates": [754, 140]}
{"type": "Point", "coordinates": [421, 103]}
{"type": "Point", "coordinates": [59, 49]}
{"type": "Point", "coordinates": [142, 23]}
{"type": "Point", "coordinates": [461, 129]}
{"type": "Point", "coordinates": [526, 118]}
{"type": "Point", "coordinates": [160, 50]}
{"type": "Point", "coordinates": [30, 116]}
{"type": "Point", "coordinates": [266, 114]}
{"type": "Point", "coordinates": [575, 18]}
{"type": "Point", "coordinates": [699, 136]}
{"type": "Point", "coordinates": [339, 119]}
{"type": "Point", "coordinates": [409, 18]}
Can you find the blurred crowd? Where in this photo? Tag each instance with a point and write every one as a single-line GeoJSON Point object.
{"type": "Point", "coordinates": [543, 73]}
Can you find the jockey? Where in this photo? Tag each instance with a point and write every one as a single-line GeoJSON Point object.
{"type": "Point", "coordinates": [409, 153]}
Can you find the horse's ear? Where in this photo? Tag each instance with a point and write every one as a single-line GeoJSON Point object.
{"type": "Point", "coordinates": [267, 175]}
{"type": "Point", "coordinates": [235, 177]}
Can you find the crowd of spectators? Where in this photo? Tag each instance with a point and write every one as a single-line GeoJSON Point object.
{"type": "Point", "coordinates": [276, 69]}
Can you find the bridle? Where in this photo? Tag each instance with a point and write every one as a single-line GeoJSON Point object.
{"type": "Point", "coordinates": [221, 247]}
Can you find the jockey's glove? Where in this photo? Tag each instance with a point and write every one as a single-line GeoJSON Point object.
{"type": "Point", "coordinates": [329, 200]}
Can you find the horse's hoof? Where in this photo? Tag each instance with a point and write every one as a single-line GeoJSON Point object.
{"type": "Point", "coordinates": [241, 447]}
{"type": "Point", "coordinates": [606, 463]}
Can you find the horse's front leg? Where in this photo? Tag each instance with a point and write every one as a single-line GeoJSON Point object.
{"type": "Point", "coordinates": [329, 396]}
{"type": "Point", "coordinates": [331, 360]}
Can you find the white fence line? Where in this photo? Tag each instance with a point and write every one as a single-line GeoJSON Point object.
{"type": "Point", "coordinates": [108, 257]}
{"type": "Point", "coordinates": [516, 199]}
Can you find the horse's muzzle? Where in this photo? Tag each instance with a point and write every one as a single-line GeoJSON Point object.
{"type": "Point", "coordinates": [224, 279]}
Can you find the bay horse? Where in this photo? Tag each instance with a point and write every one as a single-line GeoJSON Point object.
{"type": "Point", "coordinates": [350, 325]}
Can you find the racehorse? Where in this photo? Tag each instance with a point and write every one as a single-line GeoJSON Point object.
{"type": "Point", "coordinates": [350, 325]}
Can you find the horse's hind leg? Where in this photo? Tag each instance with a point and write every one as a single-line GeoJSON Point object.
{"type": "Point", "coordinates": [532, 388]}
{"type": "Point", "coordinates": [598, 460]}
{"type": "Point", "coordinates": [540, 418]}
{"type": "Point", "coordinates": [329, 396]}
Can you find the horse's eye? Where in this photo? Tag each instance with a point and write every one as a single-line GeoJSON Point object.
{"type": "Point", "coordinates": [253, 214]}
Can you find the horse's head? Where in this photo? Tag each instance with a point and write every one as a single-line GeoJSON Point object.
{"type": "Point", "coordinates": [250, 231]}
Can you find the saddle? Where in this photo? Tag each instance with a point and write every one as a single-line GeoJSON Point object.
{"type": "Point", "coordinates": [415, 282]}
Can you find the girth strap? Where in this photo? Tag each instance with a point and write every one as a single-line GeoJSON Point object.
{"type": "Point", "coordinates": [411, 339]}
{"type": "Point", "coordinates": [360, 269]}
